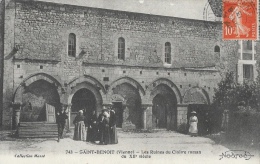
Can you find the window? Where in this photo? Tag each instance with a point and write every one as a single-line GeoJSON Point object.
{"type": "Point", "coordinates": [72, 45]}
{"type": "Point", "coordinates": [167, 53]}
{"type": "Point", "coordinates": [249, 44]}
{"type": "Point", "coordinates": [248, 72]}
{"type": "Point", "coordinates": [121, 48]}
{"type": "Point", "coordinates": [216, 49]}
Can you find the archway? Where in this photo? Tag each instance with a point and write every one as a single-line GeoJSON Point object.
{"type": "Point", "coordinates": [84, 100]}
{"type": "Point", "coordinates": [198, 100]}
{"type": "Point", "coordinates": [164, 109]}
{"type": "Point", "coordinates": [130, 108]}
{"type": "Point", "coordinates": [35, 97]}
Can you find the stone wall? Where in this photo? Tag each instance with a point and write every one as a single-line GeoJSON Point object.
{"type": "Point", "coordinates": [8, 64]}
{"type": "Point", "coordinates": [2, 17]}
{"type": "Point", "coordinates": [42, 29]}
{"type": "Point", "coordinates": [39, 32]}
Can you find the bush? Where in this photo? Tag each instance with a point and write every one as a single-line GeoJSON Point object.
{"type": "Point", "coordinates": [182, 128]}
{"type": "Point", "coordinates": [244, 126]}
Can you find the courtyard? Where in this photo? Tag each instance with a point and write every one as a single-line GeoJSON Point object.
{"type": "Point", "coordinates": [134, 147]}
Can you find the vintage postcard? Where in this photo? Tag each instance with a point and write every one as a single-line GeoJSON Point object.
{"type": "Point", "coordinates": [240, 19]}
{"type": "Point", "coordinates": [133, 81]}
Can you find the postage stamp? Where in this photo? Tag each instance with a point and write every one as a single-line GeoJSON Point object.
{"type": "Point", "coordinates": [240, 19]}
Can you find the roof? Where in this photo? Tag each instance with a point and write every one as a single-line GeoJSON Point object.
{"type": "Point", "coordinates": [216, 6]}
{"type": "Point", "coordinates": [190, 9]}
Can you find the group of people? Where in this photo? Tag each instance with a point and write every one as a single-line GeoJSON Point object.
{"type": "Point", "coordinates": [101, 128]}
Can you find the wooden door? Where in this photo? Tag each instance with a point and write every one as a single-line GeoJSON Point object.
{"type": "Point", "coordinates": [50, 113]}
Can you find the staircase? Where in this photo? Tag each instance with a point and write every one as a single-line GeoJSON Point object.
{"type": "Point", "coordinates": [37, 130]}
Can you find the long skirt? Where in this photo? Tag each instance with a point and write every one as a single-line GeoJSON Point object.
{"type": "Point", "coordinates": [92, 134]}
{"type": "Point", "coordinates": [80, 131]}
{"type": "Point", "coordinates": [113, 135]}
{"type": "Point", "coordinates": [193, 130]}
{"type": "Point", "coordinates": [105, 135]}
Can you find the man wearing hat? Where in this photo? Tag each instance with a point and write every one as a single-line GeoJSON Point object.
{"type": "Point", "coordinates": [61, 121]}
{"type": "Point", "coordinates": [193, 121]}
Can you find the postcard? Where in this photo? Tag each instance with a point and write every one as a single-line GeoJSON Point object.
{"type": "Point", "coordinates": [133, 81]}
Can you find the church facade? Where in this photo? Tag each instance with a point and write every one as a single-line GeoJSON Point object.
{"type": "Point", "coordinates": [153, 69]}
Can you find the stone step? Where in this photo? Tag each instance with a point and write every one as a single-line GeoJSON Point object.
{"type": "Point", "coordinates": [37, 130]}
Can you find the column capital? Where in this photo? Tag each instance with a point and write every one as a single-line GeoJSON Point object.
{"type": "Point", "coordinates": [147, 105]}
{"type": "Point", "coordinates": [182, 105]}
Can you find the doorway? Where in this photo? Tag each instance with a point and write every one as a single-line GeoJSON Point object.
{"type": "Point", "coordinates": [159, 112]}
{"type": "Point", "coordinates": [118, 107]}
{"type": "Point", "coordinates": [84, 100]}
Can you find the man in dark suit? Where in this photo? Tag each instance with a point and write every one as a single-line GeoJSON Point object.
{"type": "Point", "coordinates": [61, 121]}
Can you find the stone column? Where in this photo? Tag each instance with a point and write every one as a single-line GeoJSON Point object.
{"type": "Point", "coordinates": [147, 116]}
{"type": "Point", "coordinates": [69, 113]}
{"type": "Point", "coordinates": [16, 108]}
{"type": "Point", "coordinates": [182, 111]}
{"type": "Point", "coordinates": [144, 119]}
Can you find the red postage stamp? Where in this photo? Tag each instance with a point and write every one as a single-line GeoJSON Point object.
{"type": "Point", "coordinates": [240, 19]}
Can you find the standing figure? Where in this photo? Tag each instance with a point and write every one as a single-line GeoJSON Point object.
{"type": "Point", "coordinates": [236, 15]}
{"type": "Point", "coordinates": [99, 125]}
{"type": "Point", "coordinates": [92, 134]}
{"type": "Point", "coordinates": [61, 120]}
{"type": "Point", "coordinates": [105, 130]}
{"type": "Point", "coordinates": [80, 129]}
{"type": "Point", "coordinates": [193, 121]}
{"type": "Point", "coordinates": [112, 125]}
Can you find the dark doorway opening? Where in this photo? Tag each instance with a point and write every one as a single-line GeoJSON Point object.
{"type": "Point", "coordinates": [84, 100]}
{"type": "Point", "coordinates": [164, 108]}
{"type": "Point", "coordinates": [160, 111]}
{"type": "Point", "coordinates": [203, 114]}
{"type": "Point", "coordinates": [118, 107]}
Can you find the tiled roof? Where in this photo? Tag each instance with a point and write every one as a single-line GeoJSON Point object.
{"type": "Point", "coordinates": [216, 6]}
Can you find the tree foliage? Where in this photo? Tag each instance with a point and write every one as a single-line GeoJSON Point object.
{"type": "Point", "coordinates": [229, 94]}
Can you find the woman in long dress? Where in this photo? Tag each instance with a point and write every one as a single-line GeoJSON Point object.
{"type": "Point", "coordinates": [80, 129]}
{"type": "Point", "coordinates": [113, 131]}
{"type": "Point", "coordinates": [105, 130]}
{"type": "Point", "coordinates": [92, 134]}
{"type": "Point", "coordinates": [193, 121]}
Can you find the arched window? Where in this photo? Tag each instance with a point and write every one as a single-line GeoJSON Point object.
{"type": "Point", "coordinates": [72, 45]}
{"type": "Point", "coordinates": [216, 49]}
{"type": "Point", "coordinates": [121, 48]}
{"type": "Point", "coordinates": [167, 53]}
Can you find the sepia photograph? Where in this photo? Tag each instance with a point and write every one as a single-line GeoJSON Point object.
{"type": "Point", "coordinates": [129, 81]}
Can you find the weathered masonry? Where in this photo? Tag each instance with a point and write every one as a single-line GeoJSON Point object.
{"type": "Point", "coordinates": [152, 68]}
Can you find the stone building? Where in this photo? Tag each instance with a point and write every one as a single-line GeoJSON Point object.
{"type": "Point", "coordinates": [154, 69]}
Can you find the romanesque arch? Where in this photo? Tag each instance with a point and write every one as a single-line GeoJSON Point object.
{"type": "Point", "coordinates": [34, 94]}
{"type": "Point", "coordinates": [84, 96]}
{"type": "Point", "coordinates": [166, 82]}
{"type": "Point", "coordinates": [130, 81]}
{"type": "Point", "coordinates": [33, 78]}
{"type": "Point", "coordinates": [128, 111]}
{"type": "Point", "coordinates": [89, 79]}
{"type": "Point", "coordinates": [196, 95]}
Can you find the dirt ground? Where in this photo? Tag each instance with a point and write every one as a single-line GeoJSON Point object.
{"type": "Point", "coordinates": [157, 147]}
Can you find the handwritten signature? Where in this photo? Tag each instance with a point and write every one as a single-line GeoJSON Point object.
{"type": "Point", "coordinates": [236, 154]}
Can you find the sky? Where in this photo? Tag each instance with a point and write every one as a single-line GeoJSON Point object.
{"type": "Point", "coordinates": [191, 9]}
